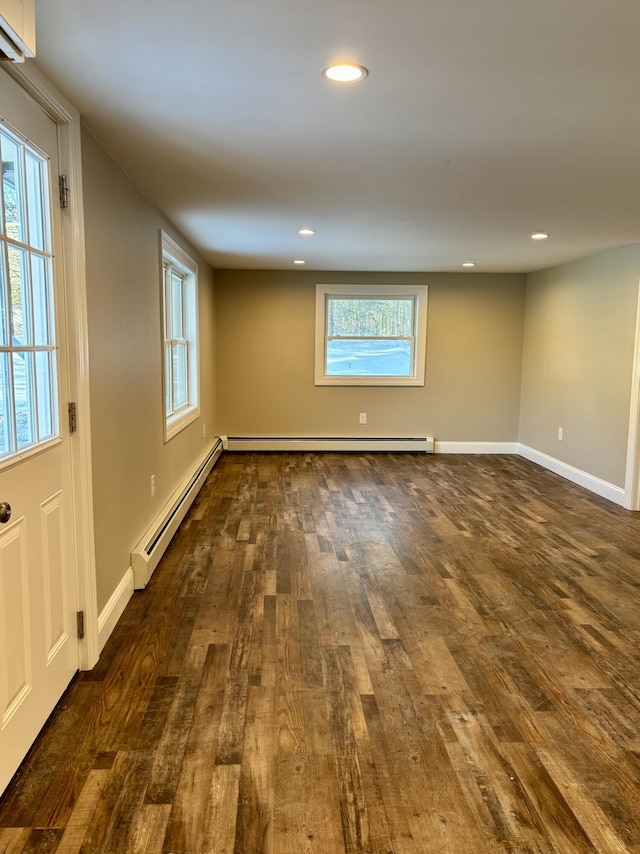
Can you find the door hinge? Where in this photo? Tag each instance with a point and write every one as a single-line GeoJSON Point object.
{"type": "Point", "coordinates": [80, 618]}
{"type": "Point", "coordinates": [73, 418]}
{"type": "Point", "coordinates": [64, 191]}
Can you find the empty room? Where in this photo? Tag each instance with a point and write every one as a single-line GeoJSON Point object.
{"type": "Point", "coordinates": [319, 427]}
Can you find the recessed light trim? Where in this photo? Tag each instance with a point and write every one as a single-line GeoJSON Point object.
{"type": "Point", "coordinates": [345, 72]}
{"type": "Point", "coordinates": [539, 235]}
{"type": "Point", "coordinates": [306, 232]}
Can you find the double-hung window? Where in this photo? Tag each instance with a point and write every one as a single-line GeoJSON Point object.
{"type": "Point", "coordinates": [180, 337]}
{"type": "Point", "coordinates": [371, 334]}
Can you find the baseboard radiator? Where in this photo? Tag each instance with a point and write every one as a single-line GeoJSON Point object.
{"type": "Point", "coordinates": [418, 445]}
{"type": "Point", "coordinates": [147, 554]}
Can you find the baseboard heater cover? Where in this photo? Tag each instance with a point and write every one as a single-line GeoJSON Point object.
{"type": "Point", "coordinates": [420, 444]}
{"type": "Point", "coordinates": [147, 554]}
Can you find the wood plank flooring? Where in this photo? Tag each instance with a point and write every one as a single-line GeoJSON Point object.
{"type": "Point", "coordinates": [360, 654]}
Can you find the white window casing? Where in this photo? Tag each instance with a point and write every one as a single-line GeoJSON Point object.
{"type": "Point", "coordinates": [180, 355]}
{"type": "Point", "coordinates": [413, 340]}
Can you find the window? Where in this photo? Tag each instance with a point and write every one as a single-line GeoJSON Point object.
{"type": "Point", "coordinates": [371, 334]}
{"type": "Point", "coordinates": [28, 364]}
{"type": "Point", "coordinates": [180, 337]}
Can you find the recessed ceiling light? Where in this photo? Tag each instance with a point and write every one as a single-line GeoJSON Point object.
{"type": "Point", "coordinates": [299, 262]}
{"type": "Point", "coordinates": [306, 232]}
{"type": "Point", "coordinates": [539, 235]}
{"type": "Point", "coordinates": [345, 72]}
{"type": "Point", "coordinates": [468, 263]}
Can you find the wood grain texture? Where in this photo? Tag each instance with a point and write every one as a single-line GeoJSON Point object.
{"type": "Point", "coordinates": [359, 654]}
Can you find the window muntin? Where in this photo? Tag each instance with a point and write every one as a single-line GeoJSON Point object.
{"type": "Point", "coordinates": [28, 363]}
{"type": "Point", "coordinates": [370, 335]}
{"type": "Point", "coordinates": [180, 338]}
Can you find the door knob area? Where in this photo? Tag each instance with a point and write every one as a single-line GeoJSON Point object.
{"type": "Point", "coordinates": [5, 512]}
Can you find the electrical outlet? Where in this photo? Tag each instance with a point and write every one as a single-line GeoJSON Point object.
{"type": "Point", "coordinates": [363, 417]}
{"type": "Point", "coordinates": [153, 485]}
{"type": "Point", "coordinates": [560, 433]}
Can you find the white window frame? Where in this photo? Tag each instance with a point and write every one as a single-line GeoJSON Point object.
{"type": "Point", "coordinates": [174, 257]}
{"type": "Point", "coordinates": [416, 292]}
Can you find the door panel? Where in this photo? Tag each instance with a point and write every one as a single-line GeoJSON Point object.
{"type": "Point", "coordinates": [55, 593]}
{"type": "Point", "coordinates": [15, 621]}
{"type": "Point", "coordinates": [39, 650]}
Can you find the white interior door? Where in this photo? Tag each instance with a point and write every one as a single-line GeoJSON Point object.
{"type": "Point", "coordinates": [39, 649]}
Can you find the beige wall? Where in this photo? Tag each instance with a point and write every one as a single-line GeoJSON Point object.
{"type": "Point", "coordinates": [578, 360]}
{"type": "Point", "coordinates": [123, 292]}
{"type": "Point", "coordinates": [265, 332]}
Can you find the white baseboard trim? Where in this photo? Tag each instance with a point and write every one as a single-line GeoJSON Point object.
{"type": "Point", "coordinates": [582, 478]}
{"type": "Point", "coordinates": [114, 608]}
{"type": "Point", "coordinates": [476, 447]}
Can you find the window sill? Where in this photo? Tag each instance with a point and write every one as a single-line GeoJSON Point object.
{"type": "Point", "coordinates": [177, 423]}
{"type": "Point", "coordinates": [398, 382]}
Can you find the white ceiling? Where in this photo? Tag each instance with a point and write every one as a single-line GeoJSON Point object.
{"type": "Point", "coordinates": [480, 122]}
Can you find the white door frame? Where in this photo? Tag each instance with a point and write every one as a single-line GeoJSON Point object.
{"type": "Point", "coordinates": [632, 476]}
{"type": "Point", "coordinates": [67, 120]}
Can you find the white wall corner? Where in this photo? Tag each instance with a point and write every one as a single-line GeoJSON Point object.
{"type": "Point", "coordinates": [581, 478]}
{"type": "Point", "coordinates": [114, 608]}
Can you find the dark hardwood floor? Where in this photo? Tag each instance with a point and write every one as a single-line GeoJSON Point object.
{"type": "Point", "coordinates": [363, 654]}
